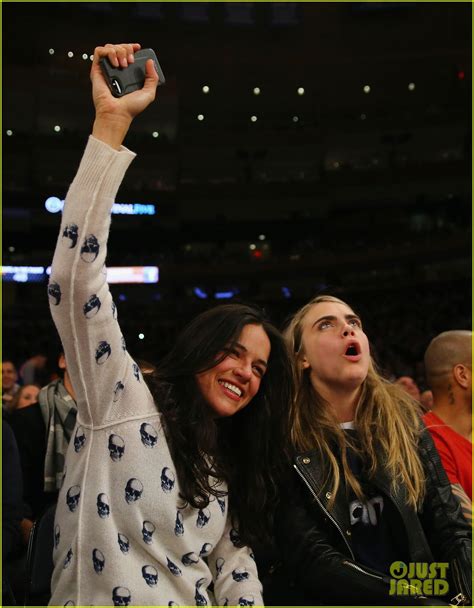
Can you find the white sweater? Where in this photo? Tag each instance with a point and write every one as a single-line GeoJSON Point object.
{"type": "Point", "coordinates": [123, 536]}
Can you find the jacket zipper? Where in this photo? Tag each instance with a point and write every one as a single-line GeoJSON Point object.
{"type": "Point", "coordinates": [325, 510]}
{"type": "Point", "coordinates": [359, 569]}
{"type": "Point", "coordinates": [460, 598]}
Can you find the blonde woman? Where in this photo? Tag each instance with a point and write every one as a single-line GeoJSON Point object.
{"type": "Point", "coordinates": [368, 488]}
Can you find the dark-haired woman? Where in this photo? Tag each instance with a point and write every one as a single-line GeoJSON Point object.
{"type": "Point", "coordinates": [368, 491]}
{"type": "Point", "coordinates": [164, 488]}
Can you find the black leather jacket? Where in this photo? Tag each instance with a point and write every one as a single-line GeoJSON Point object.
{"type": "Point", "coordinates": [318, 564]}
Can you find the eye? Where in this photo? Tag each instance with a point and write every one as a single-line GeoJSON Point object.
{"type": "Point", "coordinates": [355, 323]}
{"type": "Point", "coordinates": [259, 371]}
{"type": "Point", "coordinates": [325, 324]}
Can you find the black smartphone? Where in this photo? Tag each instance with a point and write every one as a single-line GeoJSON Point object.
{"type": "Point", "coordinates": [122, 81]}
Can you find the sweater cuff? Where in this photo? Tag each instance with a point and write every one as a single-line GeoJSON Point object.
{"type": "Point", "coordinates": [102, 167]}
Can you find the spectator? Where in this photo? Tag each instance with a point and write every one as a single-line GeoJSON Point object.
{"type": "Point", "coordinates": [449, 373]}
{"type": "Point", "coordinates": [43, 431]}
{"type": "Point", "coordinates": [426, 400]}
{"type": "Point", "coordinates": [12, 510]}
{"type": "Point", "coordinates": [25, 396]}
{"type": "Point", "coordinates": [9, 382]}
{"type": "Point", "coordinates": [193, 420]}
{"type": "Point", "coordinates": [368, 487]}
{"type": "Point", "coordinates": [409, 386]}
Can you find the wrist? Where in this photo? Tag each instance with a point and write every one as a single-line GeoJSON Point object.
{"type": "Point", "coordinates": [111, 129]}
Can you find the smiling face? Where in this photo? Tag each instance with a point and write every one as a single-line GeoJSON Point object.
{"type": "Point", "coordinates": [233, 383]}
{"type": "Point", "coordinates": [334, 348]}
{"type": "Point", "coordinates": [9, 375]}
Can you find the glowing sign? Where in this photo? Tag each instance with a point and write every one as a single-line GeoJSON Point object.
{"type": "Point", "coordinates": [115, 274]}
{"type": "Point", "coordinates": [22, 274]}
{"type": "Point", "coordinates": [53, 204]}
{"type": "Point", "coordinates": [132, 274]}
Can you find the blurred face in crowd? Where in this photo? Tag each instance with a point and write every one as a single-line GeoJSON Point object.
{"type": "Point", "coordinates": [9, 375]}
{"type": "Point", "coordinates": [27, 395]}
{"type": "Point", "coordinates": [426, 399]}
{"type": "Point", "coordinates": [410, 386]}
{"type": "Point", "coordinates": [233, 383]}
{"type": "Point", "coordinates": [334, 347]}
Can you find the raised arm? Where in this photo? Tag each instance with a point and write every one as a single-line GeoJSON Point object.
{"type": "Point", "coordinates": [80, 300]}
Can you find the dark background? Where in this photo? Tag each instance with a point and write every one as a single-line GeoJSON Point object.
{"type": "Point", "coordinates": [365, 196]}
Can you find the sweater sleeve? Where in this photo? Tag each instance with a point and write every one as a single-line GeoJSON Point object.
{"type": "Point", "coordinates": [236, 581]}
{"type": "Point", "coordinates": [81, 304]}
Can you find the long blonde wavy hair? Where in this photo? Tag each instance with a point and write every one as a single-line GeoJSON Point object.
{"type": "Point", "coordinates": [386, 418]}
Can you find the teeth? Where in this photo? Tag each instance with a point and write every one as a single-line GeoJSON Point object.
{"type": "Point", "coordinates": [232, 387]}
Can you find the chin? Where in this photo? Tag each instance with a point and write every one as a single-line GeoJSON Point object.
{"type": "Point", "coordinates": [356, 381]}
{"type": "Point", "coordinates": [221, 410]}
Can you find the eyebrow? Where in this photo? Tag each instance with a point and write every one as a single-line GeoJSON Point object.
{"type": "Point", "coordinates": [242, 347]}
{"type": "Point", "coordinates": [333, 318]}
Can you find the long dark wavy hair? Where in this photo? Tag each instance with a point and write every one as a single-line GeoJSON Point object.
{"type": "Point", "coordinates": [246, 450]}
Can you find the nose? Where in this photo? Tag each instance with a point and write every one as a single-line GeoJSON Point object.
{"type": "Point", "coordinates": [243, 372]}
{"type": "Point", "coordinates": [348, 331]}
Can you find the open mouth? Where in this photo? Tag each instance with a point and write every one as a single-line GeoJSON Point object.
{"type": "Point", "coordinates": [231, 387]}
{"type": "Point", "coordinates": [352, 350]}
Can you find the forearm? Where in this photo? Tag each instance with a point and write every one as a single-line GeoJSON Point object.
{"type": "Point", "coordinates": [80, 300]}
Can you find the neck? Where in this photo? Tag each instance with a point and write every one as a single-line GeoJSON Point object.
{"type": "Point", "coordinates": [68, 385]}
{"type": "Point", "coordinates": [456, 415]}
{"type": "Point", "coordinates": [343, 401]}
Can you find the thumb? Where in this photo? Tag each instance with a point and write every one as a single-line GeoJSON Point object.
{"type": "Point", "coordinates": [151, 76]}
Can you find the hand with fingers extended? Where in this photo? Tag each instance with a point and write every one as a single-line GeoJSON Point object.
{"type": "Point", "coordinates": [113, 116]}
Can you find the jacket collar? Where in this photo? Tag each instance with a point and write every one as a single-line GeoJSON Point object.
{"type": "Point", "coordinates": [309, 466]}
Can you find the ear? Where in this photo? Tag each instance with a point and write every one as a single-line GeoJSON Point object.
{"type": "Point", "coordinates": [462, 375]}
{"type": "Point", "coordinates": [62, 361]}
{"type": "Point", "coordinates": [304, 362]}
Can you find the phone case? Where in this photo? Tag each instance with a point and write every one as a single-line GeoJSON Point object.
{"type": "Point", "coordinates": [122, 81]}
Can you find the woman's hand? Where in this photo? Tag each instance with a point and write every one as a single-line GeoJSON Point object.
{"type": "Point", "coordinates": [114, 115]}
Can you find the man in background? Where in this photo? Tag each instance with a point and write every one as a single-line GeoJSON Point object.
{"type": "Point", "coordinates": [9, 382]}
{"type": "Point", "coordinates": [43, 431]}
{"type": "Point", "coordinates": [448, 366]}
